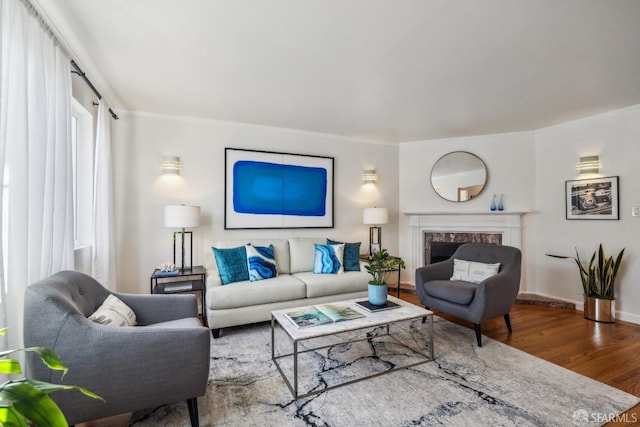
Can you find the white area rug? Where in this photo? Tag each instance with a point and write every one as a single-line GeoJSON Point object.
{"type": "Point", "coordinates": [495, 385]}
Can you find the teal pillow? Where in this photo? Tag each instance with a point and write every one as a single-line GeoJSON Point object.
{"type": "Point", "coordinates": [232, 264]}
{"type": "Point", "coordinates": [261, 262]}
{"type": "Point", "coordinates": [328, 259]}
{"type": "Point", "coordinates": [351, 255]}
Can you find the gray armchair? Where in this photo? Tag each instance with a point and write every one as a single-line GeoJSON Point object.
{"type": "Point", "coordinates": [475, 303]}
{"type": "Point", "coordinates": [164, 359]}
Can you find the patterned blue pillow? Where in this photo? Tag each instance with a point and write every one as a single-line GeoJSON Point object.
{"type": "Point", "coordinates": [328, 259]}
{"type": "Point", "coordinates": [261, 262]}
{"type": "Point", "coordinates": [351, 255]}
{"type": "Point", "coordinates": [232, 264]}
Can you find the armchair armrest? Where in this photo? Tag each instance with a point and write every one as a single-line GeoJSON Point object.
{"type": "Point", "coordinates": [156, 308]}
{"type": "Point", "coordinates": [129, 366]}
{"type": "Point", "coordinates": [496, 295]}
{"type": "Point", "coordinates": [436, 271]}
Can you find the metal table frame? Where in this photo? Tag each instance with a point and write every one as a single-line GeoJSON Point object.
{"type": "Point", "coordinates": [293, 388]}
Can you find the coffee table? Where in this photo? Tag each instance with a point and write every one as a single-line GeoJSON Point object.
{"type": "Point", "coordinates": [406, 311]}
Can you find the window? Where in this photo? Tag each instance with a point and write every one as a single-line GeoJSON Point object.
{"type": "Point", "coordinates": [82, 160]}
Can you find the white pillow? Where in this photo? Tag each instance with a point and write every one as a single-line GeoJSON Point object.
{"type": "Point", "coordinates": [474, 272]}
{"type": "Point", "coordinates": [114, 312]}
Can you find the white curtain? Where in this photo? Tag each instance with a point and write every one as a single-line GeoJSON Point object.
{"type": "Point", "coordinates": [103, 267]}
{"type": "Point", "coordinates": [35, 139]}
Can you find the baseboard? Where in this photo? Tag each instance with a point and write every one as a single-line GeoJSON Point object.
{"type": "Point", "coordinates": [404, 287]}
{"type": "Point", "coordinates": [553, 302]}
{"type": "Point", "coordinates": [544, 301]}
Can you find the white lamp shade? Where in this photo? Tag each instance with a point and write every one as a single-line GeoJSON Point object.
{"type": "Point", "coordinates": [375, 216]}
{"type": "Point", "coordinates": [181, 216]}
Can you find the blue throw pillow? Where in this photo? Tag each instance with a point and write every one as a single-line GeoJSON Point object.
{"type": "Point", "coordinates": [351, 255]}
{"type": "Point", "coordinates": [328, 259]}
{"type": "Point", "coordinates": [232, 264]}
{"type": "Point", "coordinates": [260, 262]}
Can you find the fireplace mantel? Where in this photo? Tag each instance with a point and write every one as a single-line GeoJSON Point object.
{"type": "Point", "coordinates": [432, 212]}
{"type": "Point", "coordinates": [506, 223]}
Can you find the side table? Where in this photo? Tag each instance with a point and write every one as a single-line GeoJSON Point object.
{"type": "Point", "coordinates": [187, 280]}
{"type": "Point", "coordinates": [367, 258]}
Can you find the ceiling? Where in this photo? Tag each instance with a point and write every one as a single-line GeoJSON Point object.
{"type": "Point", "coordinates": [380, 70]}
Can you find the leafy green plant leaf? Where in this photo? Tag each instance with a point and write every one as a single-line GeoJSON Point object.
{"type": "Point", "coordinates": [9, 417]}
{"type": "Point", "coordinates": [10, 367]}
{"type": "Point", "coordinates": [33, 404]}
{"type": "Point", "coordinates": [50, 358]}
{"type": "Point", "coordinates": [28, 400]}
{"type": "Point", "coordinates": [49, 388]}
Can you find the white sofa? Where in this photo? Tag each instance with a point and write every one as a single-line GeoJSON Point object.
{"type": "Point", "coordinates": [296, 285]}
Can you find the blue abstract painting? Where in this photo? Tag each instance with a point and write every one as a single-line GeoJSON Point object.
{"type": "Point", "coordinates": [277, 190]}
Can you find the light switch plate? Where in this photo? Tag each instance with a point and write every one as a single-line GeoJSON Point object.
{"type": "Point", "coordinates": [635, 211]}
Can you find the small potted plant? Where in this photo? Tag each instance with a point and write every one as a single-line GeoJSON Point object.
{"type": "Point", "coordinates": [598, 283]}
{"type": "Point", "coordinates": [381, 263]}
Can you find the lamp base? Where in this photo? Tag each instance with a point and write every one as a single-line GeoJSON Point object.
{"type": "Point", "coordinates": [375, 239]}
{"type": "Point", "coordinates": [183, 234]}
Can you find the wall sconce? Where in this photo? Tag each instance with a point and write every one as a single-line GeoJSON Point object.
{"type": "Point", "coordinates": [588, 165]}
{"type": "Point", "coordinates": [369, 176]}
{"type": "Point", "coordinates": [375, 217]}
{"type": "Point", "coordinates": [170, 165]}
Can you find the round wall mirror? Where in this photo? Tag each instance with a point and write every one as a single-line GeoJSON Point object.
{"type": "Point", "coordinates": [458, 176]}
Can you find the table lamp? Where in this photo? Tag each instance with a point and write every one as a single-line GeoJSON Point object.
{"type": "Point", "coordinates": [182, 216]}
{"type": "Point", "coordinates": [375, 217]}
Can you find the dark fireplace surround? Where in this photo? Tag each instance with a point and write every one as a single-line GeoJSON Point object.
{"type": "Point", "coordinates": [440, 246]}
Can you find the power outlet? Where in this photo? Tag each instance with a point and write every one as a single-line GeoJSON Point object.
{"type": "Point", "coordinates": [635, 211]}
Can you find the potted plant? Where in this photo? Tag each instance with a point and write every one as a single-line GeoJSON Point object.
{"type": "Point", "coordinates": [381, 263]}
{"type": "Point", "coordinates": [26, 399]}
{"type": "Point", "coordinates": [598, 280]}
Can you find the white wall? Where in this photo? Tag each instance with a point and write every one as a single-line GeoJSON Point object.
{"type": "Point", "coordinates": [615, 137]}
{"type": "Point", "coordinates": [139, 142]}
{"type": "Point", "coordinates": [510, 163]}
{"type": "Point", "coordinates": [531, 168]}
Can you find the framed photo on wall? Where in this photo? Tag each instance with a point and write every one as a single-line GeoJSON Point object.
{"type": "Point", "coordinates": [266, 189]}
{"type": "Point", "coordinates": [595, 198]}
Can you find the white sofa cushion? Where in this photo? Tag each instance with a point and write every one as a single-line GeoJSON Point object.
{"type": "Point", "coordinates": [303, 252]}
{"type": "Point", "coordinates": [242, 294]}
{"type": "Point", "coordinates": [319, 285]}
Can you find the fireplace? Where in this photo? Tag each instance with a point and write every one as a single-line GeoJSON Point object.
{"type": "Point", "coordinates": [440, 251]}
{"type": "Point", "coordinates": [440, 246]}
{"type": "Point", "coordinates": [449, 227]}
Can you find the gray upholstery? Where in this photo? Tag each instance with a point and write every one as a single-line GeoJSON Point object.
{"type": "Point", "coordinates": [472, 302]}
{"type": "Point", "coordinates": [165, 359]}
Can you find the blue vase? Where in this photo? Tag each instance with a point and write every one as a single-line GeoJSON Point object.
{"type": "Point", "coordinates": [493, 203]}
{"type": "Point", "coordinates": [500, 204]}
{"type": "Point", "coordinates": [377, 294]}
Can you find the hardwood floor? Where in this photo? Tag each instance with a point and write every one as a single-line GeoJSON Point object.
{"type": "Point", "coordinates": [606, 352]}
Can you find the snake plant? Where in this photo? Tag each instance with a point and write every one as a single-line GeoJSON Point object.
{"type": "Point", "coordinates": [598, 277]}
